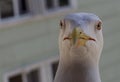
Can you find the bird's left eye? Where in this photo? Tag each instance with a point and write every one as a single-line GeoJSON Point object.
{"type": "Point", "coordinates": [98, 26]}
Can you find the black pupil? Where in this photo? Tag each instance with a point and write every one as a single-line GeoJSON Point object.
{"type": "Point", "coordinates": [98, 25]}
{"type": "Point", "coordinates": [61, 24]}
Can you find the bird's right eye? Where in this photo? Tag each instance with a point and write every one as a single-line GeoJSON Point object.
{"type": "Point", "coordinates": [62, 24]}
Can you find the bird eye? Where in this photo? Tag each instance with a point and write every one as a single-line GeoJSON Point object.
{"type": "Point", "coordinates": [62, 24]}
{"type": "Point", "coordinates": [98, 26]}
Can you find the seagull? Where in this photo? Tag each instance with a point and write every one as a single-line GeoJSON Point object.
{"type": "Point", "coordinates": [80, 47]}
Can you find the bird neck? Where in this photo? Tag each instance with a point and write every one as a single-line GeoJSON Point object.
{"type": "Point", "coordinates": [76, 71]}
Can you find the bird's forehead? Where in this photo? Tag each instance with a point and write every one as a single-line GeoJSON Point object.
{"type": "Point", "coordinates": [82, 18]}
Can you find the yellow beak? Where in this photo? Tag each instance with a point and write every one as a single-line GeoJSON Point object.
{"type": "Point", "coordinates": [78, 37]}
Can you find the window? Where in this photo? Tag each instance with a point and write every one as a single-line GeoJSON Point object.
{"type": "Point", "coordinates": [63, 3]}
{"type": "Point", "coordinates": [33, 76]}
{"type": "Point", "coordinates": [16, 78]}
{"type": "Point", "coordinates": [56, 4]}
{"type": "Point", "coordinates": [19, 10]}
{"type": "Point", "coordinates": [23, 8]}
{"type": "Point", "coordinates": [39, 72]}
{"type": "Point", "coordinates": [25, 76]}
{"type": "Point", "coordinates": [49, 4]}
{"type": "Point", "coordinates": [54, 68]}
{"type": "Point", "coordinates": [6, 7]}
{"type": "Point", "coordinates": [13, 8]}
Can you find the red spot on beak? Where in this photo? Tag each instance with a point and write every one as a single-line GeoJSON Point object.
{"type": "Point", "coordinates": [92, 39]}
{"type": "Point", "coordinates": [66, 38]}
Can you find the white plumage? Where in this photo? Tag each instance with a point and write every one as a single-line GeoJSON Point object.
{"type": "Point", "coordinates": [80, 46]}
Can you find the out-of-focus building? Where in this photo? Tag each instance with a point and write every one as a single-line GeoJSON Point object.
{"type": "Point", "coordinates": [29, 37]}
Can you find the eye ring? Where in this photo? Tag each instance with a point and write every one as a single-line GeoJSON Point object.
{"type": "Point", "coordinates": [98, 26]}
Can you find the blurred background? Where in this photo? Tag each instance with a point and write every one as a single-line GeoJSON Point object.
{"type": "Point", "coordinates": [29, 37]}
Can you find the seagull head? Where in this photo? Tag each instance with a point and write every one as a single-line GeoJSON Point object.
{"type": "Point", "coordinates": [81, 36]}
